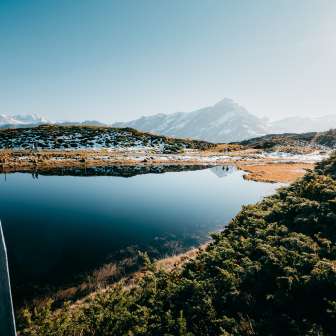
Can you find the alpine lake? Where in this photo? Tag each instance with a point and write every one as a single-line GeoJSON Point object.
{"type": "Point", "coordinates": [62, 225]}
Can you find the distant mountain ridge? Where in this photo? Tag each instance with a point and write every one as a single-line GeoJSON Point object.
{"type": "Point", "coordinates": [34, 120]}
{"type": "Point", "coordinates": [226, 121]}
{"type": "Point", "coordinates": [21, 120]}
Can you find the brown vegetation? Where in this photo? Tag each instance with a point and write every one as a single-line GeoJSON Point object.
{"type": "Point", "coordinates": [225, 148]}
{"type": "Point", "coordinates": [57, 161]}
{"type": "Point", "coordinates": [42, 161]}
{"type": "Point", "coordinates": [270, 272]}
{"type": "Point", "coordinates": [128, 271]}
{"type": "Point", "coordinates": [275, 172]}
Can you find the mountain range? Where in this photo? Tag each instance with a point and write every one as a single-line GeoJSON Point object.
{"type": "Point", "coordinates": [21, 120]}
{"type": "Point", "coordinates": [222, 122]}
{"type": "Point", "coordinates": [33, 120]}
{"type": "Point", "coordinates": [225, 121]}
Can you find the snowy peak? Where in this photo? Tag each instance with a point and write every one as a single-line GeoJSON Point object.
{"type": "Point", "coordinates": [31, 119]}
{"type": "Point", "coordinates": [225, 102]}
{"type": "Point", "coordinates": [21, 120]}
{"type": "Point", "coordinates": [225, 121]}
{"type": "Point", "coordinates": [5, 119]}
{"type": "Point", "coordinates": [228, 103]}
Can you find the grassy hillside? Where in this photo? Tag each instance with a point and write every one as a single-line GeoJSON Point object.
{"type": "Point", "coordinates": [79, 137]}
{"type": "Point", "coordinates": [271, 272]}
{"type": "Point", "coordinates": [315, 139]}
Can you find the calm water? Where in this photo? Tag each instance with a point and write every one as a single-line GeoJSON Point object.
{"type": "Point", "coordinates": [59, 226]}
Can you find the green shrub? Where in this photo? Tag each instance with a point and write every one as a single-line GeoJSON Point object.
{"type": "Point", "coordinates": [271, 272]}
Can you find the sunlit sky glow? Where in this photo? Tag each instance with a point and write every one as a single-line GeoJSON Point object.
{"type": "Point", "coordinates": [117, 60]}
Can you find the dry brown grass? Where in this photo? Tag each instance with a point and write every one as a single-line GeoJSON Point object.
{"type": "Point", "coordinates": [105, 274]}
{"type": "Point", "coordinates": [51, 161]}
{"type": "Point", "coordinates": [48, 160]}
{"type": "Point", "coordinates": [224, 148]}
{"type": "Point", "coordinates": [110, 275]}
{"type": "Point", "coordinates": [275, 172]}
{"type": "Point", "coordinates": [175, 261]}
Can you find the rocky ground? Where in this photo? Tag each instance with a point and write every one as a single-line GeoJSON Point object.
{"type": "Point", "coordinates": [261, 166]}
{"type": "Point", "coordinates": [62, 149]}
{"type": "Point", "coordinates": [54, 137]}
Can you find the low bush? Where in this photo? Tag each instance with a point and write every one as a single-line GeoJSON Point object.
{"type": "Point", "coordinates": [271, 272]}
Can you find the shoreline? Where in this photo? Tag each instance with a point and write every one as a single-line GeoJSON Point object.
{"type": "Point", "coordinates": [275, 172]}
{"type": "Point", "coordinates": [110, 275]}
{"type": "Point", "coordinates": [259, 166]}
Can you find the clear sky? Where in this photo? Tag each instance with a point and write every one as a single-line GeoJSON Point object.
{"type": "Point", "coordinates": [117, 60]}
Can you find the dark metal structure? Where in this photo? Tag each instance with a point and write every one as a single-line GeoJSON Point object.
{"type": "Point", "coordinates": [7, 320]}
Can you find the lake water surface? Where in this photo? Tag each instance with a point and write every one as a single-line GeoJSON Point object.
{"type": "Point", "coordinates": [59, 226]}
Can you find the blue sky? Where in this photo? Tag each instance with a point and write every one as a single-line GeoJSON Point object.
{"type": "Point", "coordinates": [117, 60]}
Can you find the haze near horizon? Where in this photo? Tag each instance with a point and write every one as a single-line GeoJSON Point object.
{"type": "Point", "coordinates": [118, 60]}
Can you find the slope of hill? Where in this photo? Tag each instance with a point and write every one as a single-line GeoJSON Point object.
{"type": "Point", "coordinates": [312, 139]}
{"type": "Point", "coordinates": [225, 121]}
{"type": "Point", "coordinates": [271, 272]}
{"type": "Point", "coordinates": [81, 137]}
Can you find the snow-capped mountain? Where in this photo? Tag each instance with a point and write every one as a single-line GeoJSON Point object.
{"type": "Point", "coordinates": [21, 120]}
{"type": "Point", "coordinates": [225, 121]}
